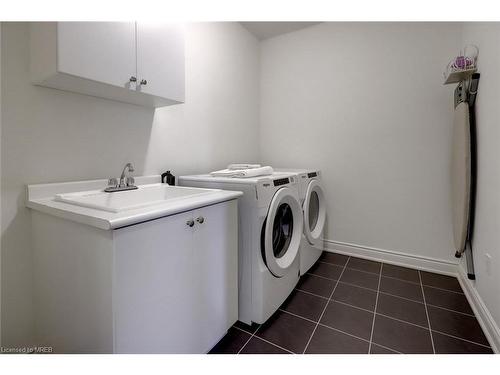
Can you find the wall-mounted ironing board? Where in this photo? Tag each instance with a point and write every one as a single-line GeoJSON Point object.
{"type": "Point", "coordinates": [461, 174]}
{"type": "Point", "coordinates": [464, 170]}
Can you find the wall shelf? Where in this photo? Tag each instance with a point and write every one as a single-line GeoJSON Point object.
{"type": "Point", "coordinates": [459, 76]}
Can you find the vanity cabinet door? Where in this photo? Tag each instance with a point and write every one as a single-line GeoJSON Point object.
{"type": "Point", "coordinates": [99, 51]}
{"type": "Point", "coordinates": [155, 299]}
{"type": "Point", "coordinates": [160, 60]}
{"type": "Point", "coordinates": [175, 285]}
{"type": "Point", "coordinates": [216, 262]}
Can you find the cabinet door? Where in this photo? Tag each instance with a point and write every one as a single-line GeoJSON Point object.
{"type": "Point", "coordinates": [100, 51]}
{"type": "Point", "coordinates": [155, 302]}
{"type": "Point", "coordinates": [160, 60]}
{"type": "Point", "coordinates": [216, 262]}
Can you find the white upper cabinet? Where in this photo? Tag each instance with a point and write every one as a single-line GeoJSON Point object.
{"type": "Point", "coordinates": [100, 51]}
{"type": "Point", "coordinates": [160, 60]}
{"type": "Point", "coordinates": [105, 59]}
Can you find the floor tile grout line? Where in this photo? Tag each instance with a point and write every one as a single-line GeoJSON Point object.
{"type": "Point", "coordinates": [354, 269]}
{"type": "Point", "coordinates": [312, 294]}
{"type": "Point", "coordinates": [323, 277]}
{"type": "Point", "coordinates": [272, 343]}
{"type": "Point", "coordinates": [398, 278]}
{"type": "Point", "coordinates": [427, 312]}
{"type": "Point", "coordinates": [428, 304]}
{"type": "Point", "coordinates": [408, 282]}
{"type": "Point", "coordinates": [260, 338]}
{"type": "Point", "coordinates": [443, 290]}
{"type": "Point", "coordinates": [353, 306]}
{"type": "Point", "coordinates": [358, 308]}
{"type": "Point", "coordinates": [403, 321]}
{"type": "Point", "coordinates": [333, 264]}
{"type": "Point", "coordinates": [245, 344]}
{"type": "Point", "coordinates": [404, 298]}
{"type": "Point", "coordinates": [330, 264]}
{"type": "Point", "coordinates": [374, 262]}
{"type": "Point", "coordinates": [360, 338]}
{"type": "Point", "coordinates": [350, 334]}
{"type": "Point", "coordinates": [357, 286]}
{"type": "Point", "coordinates": [335, 300]}
{"type": "Point", "coordinates": [326, 306]}
{"type": "Point", "coordinates": [325, 325]}
{"type": "Point", "coordinates": [385, 293]}
{"type": "Point", "coordinates": [460, 338]}
{"type": "Point", "coordinates": [242, 330]}
{"type": "Point", "coordinates": [426, 286]}
{"type": "Point", "coordinates": [298, 316]}
{"type": "Point", "coordinates": [390, 277]}
{"type": "Point", "coordinates": [344, 332]}
{"type": "Point", "coordinates": [375, 309]}
{"type": "Point", "coordinates": [450, 310]}
{"type": "Point", "coordinates": [387, 348]}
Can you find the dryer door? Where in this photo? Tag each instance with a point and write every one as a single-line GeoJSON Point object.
{"type": "Point", "coordinates": [282, 232]}
{"type": "Point", "coordinates": [314, 212]}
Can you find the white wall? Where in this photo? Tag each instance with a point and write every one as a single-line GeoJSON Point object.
{"type": "Point", "coordinates": [487, 221]}
{"type": "Point", "coordinates": [364, 102]}
{"type": "Point", "coordinates": [50, 135]}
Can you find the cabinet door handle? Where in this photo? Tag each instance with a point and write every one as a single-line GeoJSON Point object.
{"type": "Point", "coordinates": [133, 79]}
{"type": "Point", "coordinates": [200, 219]}
{"type": "Point", "coordinates": [190, 223]}
{"type": "Point", "coordinates": [144, 82]}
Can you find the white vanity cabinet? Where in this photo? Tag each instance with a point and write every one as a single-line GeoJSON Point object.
{"type": "Point", "coordinates": [133, 62]}
{"type": "Point", "coordinates": [168, 285]}
{"type": "Point", "coordinates": [180, 278]}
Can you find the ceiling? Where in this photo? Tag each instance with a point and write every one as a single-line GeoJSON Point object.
{"type": "Point", "coordinates": [265, 30]}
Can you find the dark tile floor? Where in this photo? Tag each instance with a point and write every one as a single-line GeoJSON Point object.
{"type": "Point", "coordinates": [351, 305]}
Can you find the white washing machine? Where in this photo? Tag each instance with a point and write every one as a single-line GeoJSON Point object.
{"type": "Point", "coordinates": [270, 229]}
{"type": "Point", "coordinates": [312, 200]}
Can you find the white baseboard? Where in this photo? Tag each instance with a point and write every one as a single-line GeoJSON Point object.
{"type": "Point", "coordinates": [393, 257]}
{"type": "Point", "coordinates": [488, 324]}
{"type": "Point", "coordinates": [483, 315]}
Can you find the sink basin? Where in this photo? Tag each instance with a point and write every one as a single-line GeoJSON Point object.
{"type": "Point", "coordinates": [146, 195]}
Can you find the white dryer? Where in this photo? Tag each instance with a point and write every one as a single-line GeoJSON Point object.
{"type": "Point", "coordinates": [270, 229]}
{"type": "Point", "coordinates": [312, 199]}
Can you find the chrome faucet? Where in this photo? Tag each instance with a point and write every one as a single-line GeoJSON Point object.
{"type": "Point", "coordinates": [124, 183]}
{"type": "Point", "coordinates": [130, 168]}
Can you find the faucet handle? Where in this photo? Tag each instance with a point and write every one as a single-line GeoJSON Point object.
{"type": "Point", "coordinates": [113, 182]}
{"type": "Point", "coordinates": [130, 181]}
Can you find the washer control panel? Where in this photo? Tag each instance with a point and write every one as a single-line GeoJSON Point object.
{"type": "Point", "coordinates": [281, 181]}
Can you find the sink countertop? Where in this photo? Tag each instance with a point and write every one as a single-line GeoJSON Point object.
{"type": "Point", "coordinates": [42, 198]}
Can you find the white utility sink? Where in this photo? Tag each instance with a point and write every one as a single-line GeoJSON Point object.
{"type": "Point", "coordinates": [145, 195]}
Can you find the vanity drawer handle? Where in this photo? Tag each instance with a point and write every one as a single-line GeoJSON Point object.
{"type": "Point", "coordinates": [190, 223]}
{"type": "Point", "coordinates": [200, 219]}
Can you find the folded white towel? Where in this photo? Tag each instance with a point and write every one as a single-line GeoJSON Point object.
{"type": "Point", "coordinates": [243, 166]}
{"type": "Point", "coordinates": [243, 173]}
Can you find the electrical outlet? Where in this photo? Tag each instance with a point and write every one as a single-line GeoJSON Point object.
{"type": "Point", "coordinates": [487, 258]}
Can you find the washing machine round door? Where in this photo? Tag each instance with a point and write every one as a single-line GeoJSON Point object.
{"type": "Point", "coordinates": [314, 212]}
{"type": "Point", "coordinates": [282, 232]}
